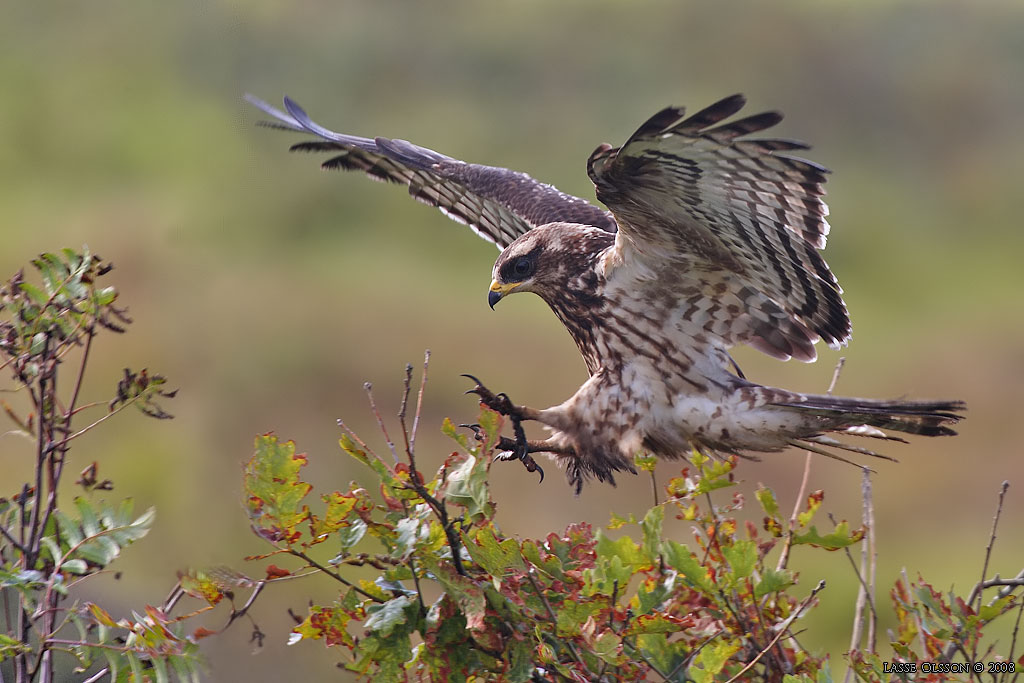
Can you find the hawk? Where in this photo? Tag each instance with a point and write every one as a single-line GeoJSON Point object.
{"type": "Point", "coordinates": [711, 239]}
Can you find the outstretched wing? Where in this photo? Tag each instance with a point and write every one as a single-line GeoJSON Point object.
{"type": "Point", "coordinates": [695, 193]}
{"type": "Point", "coordinates": [498, 204]}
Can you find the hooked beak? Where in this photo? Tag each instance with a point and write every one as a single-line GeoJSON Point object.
{"type": "Point", "coordinates": [498, 292]}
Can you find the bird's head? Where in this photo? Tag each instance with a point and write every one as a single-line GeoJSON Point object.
{"type": "Point", "coordinates": [516, 267]}
{"type": "Point", "coordinates": [544, 259]}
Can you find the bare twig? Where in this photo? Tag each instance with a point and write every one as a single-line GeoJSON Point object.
{"type": "Point", "coordinates": [835, 375]}
{"type": "Point", "coordinates": [416, 481]}
{"type": "Point", "coordinates": [380, 421]}
{"type": "Point", "coordinates": [1016, 629]}
{"type": "Point", "coordinates": [419, 402]}
{"type": "Point", "coordinates": [866, 574]}
{"type": "Point", "coordinates": [784, 556]}
{"type": "Point", "coordinates": [991, 542]}
{"type": "Point", "coordinates": [800, 496]}
{"type": "Point", "coordinates": [1008, 584]}
{"type": "Point", "coordinates": [406, 388]}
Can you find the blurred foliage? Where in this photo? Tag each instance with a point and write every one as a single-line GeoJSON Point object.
{"type": "Point", "coordinates": [254, 278]}
{"type": "Point", "coordinates": [49, 546]}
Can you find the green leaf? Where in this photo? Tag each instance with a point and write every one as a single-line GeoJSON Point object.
{"type": "Point", "coordinates": [682, 559]}
{"type": "Point", "coordinates": [773, 581]}
{"type": "Point", "coordinates": [467, 486]}
{"type": "Point", "coordinates": [813, 504]}
{"type": "Point", "coordinates": [75, 567]}
{"type": "Point", "coordinates": [336, 516]}
{"type": "Point", "coordinates": [571, 616]}
{"type": "Point", "coordinates": [496, 557]}
{"type": "Point", "coordinates": [328, 623]}
{"type": "Point", "coordinates": [384, 618]}
{"type": "Point", "coordinates": [840, 537]}
{"type": "Point", "coordinates": [742, 557]}
{"type": "Point", "coordinates": [520, 667]}
{"type": "Point", "coordinates": [769, 504]}
{"type": "Point", "coordinates": [350, 535]}
{"type": "Point", "coordinates": [37, 295]}
{"type": "Point", "coordinates": [651, 527]}
{"type": "Point", "coordinates": [410, 531]}
{"type": "Point", "coordinates": [387, 476]}
{"type": "Point", "coordinates": [274, 490]}
{"type": "Point", "coordinates": [712, 659]}
{"type": "Point", "coordinates": [464, 591]}
{"type": "Point", "coordinates": [624, 548]}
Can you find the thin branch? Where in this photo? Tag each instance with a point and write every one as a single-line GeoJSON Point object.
{"type": "Point", "coordinates": [784, 557]}
{"type": "Point", "coordinates": [866, 573]}
{"type": "Point", "coordinates": [1016, 630]}
{"type": "Point", "coordinates": [238, 613]}
{"type": "Point", "coordinates": [419, 402]}
{"type": "Point", "coordinates": [355, 437]}
{"type": "Point", "coordinates": [1008, 584]}
{"type": "Point", "coordinates": [406, 388]}
{"type": "Point", "coordinates": [62, 444]}
{"type": "Point", "coordinates": [693, 653]}
{"type": "Point", "coordinates": [996, 581]}
{"type": "Point", "coordinates": [801, 494]}
{"type": "Point", "coordinates": [782, 631]}
{"type": "Point", "coordinates": [334, 575]}
{"type": "Point", "coordinates": [380, 420]}
{"type": "Point", "coordinates": [857, 573]}
{"type": "Point", "coordinates": [991, 541]}
{"type": "Point", "coordinates": [835, 375]}
{"type": "Point", "coordinates": [12, 540]}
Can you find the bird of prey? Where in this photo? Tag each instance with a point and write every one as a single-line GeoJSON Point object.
{"type": "Point", "coordinates": [711, 239]}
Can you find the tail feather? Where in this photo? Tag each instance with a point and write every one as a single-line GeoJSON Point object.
{"type": "Point", "coordinates": [928, 418]}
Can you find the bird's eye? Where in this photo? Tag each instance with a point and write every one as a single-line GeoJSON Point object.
{"type": "Point", "coordinates": [523, 267]}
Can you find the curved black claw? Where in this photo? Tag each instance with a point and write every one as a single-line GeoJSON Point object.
{"type": "Point", "coordinates": [508, 449]}
{"type": "Point", "coordinates": [532, 466]}
{"type": "Point", "coordinates": [499, 403]}
{"type": "Point", "coordinates": [478, 432]}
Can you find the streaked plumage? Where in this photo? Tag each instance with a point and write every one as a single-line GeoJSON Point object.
{"type": "Point", "coordinates": [712, 240]}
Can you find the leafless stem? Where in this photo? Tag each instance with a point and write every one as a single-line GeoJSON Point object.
{"type": "Point", "coordinates": [355, 437]}
{"type": "Point", "coordinates": [419, 401]}
{"type": "Point", "coordinates": [801, 494]}
{"type": "Point", "coordinates": [406, 388]}
{"type": "Point", "coordinates": [380, 421]}
{"type": "Point", "coordinates": [784, 557]}
{"type": "Point", "coordinates": [991, 542]}
{"type": "Point", "coordinates": [865, 578]}
{"type": "Point", "coordinates": [835, 375]}
{"type": "Point", "coordinates": [1016, 629]}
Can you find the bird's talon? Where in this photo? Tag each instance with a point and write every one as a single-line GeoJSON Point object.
{"type": "Point", "coordinates": [504, 456]}
{"type": "Point", "coordinates": [532, 466]}
{"type": "Point", "coordinates": [478, 432]}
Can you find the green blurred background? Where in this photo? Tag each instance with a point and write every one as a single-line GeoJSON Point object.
{"type": "Point", "coordinates": [268, 292]}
